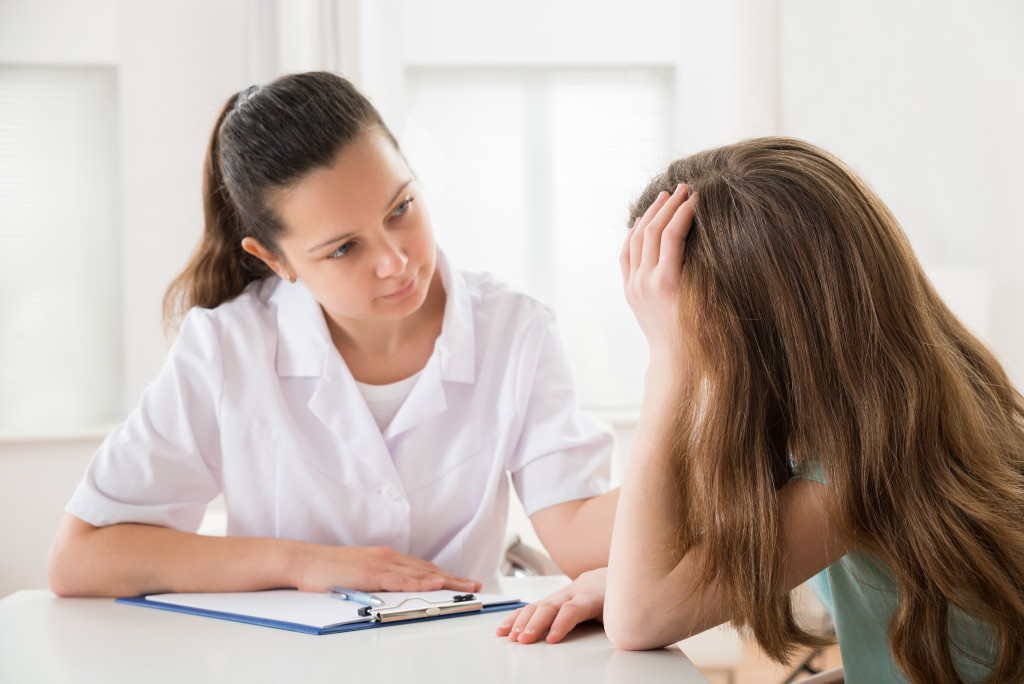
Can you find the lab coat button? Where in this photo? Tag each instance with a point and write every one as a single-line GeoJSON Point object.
{"type": "Point", "coordinates": [389, 493]}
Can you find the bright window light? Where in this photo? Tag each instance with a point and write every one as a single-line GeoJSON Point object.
{"type": "Point", "coordinates": [60, 258]}
{"type": "Point", "coordinates": [528, 173]}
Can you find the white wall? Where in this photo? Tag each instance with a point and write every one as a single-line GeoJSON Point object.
{"type": "Point", "coordinates": [924, 99]}
{"type": "Point", "coordinates": [178, 63]}
{"type": "Point", "coordinates": [36, 481]}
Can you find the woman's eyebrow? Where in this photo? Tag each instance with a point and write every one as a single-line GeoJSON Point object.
{"type": "Point", "coordinates": [323, 244]}
{"type": "Point", "coordinates": [398, 194]}
{"type": "Point", "coordinates": [346, 236]}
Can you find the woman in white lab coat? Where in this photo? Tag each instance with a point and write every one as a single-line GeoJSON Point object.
{"type": "Point", "coordinates": [358, 402]}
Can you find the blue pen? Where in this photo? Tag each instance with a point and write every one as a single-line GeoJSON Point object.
{"type": "Point", "coordinates": [360, 597]}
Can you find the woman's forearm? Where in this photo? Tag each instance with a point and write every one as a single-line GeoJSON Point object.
{"type": "Point", "coordinates": [131, 559]}
{"type": "Point", "coordinates": [578, 534]}
{"type": "Point", "coordinates": [650, 587]}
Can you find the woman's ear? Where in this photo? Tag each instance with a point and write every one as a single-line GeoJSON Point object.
{"type": "Point", "coordinates": [273, 262]}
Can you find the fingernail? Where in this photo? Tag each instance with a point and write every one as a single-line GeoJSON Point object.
{"type": "Point", "coordinates": [679, 188]}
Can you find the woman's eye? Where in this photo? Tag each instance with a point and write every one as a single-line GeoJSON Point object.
{"type": "Point", "coordinates": [403, 207]}
{"type": "Point", "coordinates": [341, 251]}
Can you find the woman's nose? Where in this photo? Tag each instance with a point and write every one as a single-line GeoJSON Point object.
{"type": "Point", "coordinates": [391, 260]}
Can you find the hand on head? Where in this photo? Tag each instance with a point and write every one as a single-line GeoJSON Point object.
{"type": "Point", "coordinates": [652, 262]}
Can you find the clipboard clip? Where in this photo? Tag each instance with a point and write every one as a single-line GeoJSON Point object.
{"type": "Point", "coordinates": [462, 603]}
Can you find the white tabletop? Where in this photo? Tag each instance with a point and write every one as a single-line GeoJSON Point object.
{"type": "Point", "coordinates": [49, 639]}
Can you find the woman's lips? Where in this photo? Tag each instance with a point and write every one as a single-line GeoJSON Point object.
{"type": "Point", "coordinates": [402, 293]}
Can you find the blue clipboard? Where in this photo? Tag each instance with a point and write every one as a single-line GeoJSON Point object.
{"type": "Point", "coordinates": [206, 605]}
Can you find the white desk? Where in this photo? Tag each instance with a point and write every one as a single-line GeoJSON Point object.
{"type": "Point", "coordinates": [47, 639]}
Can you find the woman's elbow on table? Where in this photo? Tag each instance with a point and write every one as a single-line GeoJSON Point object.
{"type": "Point", "coordinates": [59, 576]}
{"type": "Point", "coordinates": [636, 624]}
{"type": "Point", "coordinates": [631, 628]}
{"type": "Point", "coordinates": [66, 565]}
{"type": "Point", "coordinates": [630, 634]}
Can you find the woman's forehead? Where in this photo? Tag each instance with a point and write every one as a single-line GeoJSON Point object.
{"type": "Point", "coordinates": [363, 182]}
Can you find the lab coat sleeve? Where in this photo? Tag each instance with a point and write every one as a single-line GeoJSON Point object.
{"type": "Point", "coordinates": [160, 467]}
{"type": "Point", "coordinates": [562, 454]}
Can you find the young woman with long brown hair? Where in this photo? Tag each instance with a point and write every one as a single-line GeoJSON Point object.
{"type": "Point", "coordinates": [812, 411]}
{"type": "Point", "coordinates": [358, 402]}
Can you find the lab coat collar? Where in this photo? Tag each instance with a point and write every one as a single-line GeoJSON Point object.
{"type": "Point", "coordinates": [305, 349]}
{"type": "Point", "coordinates": [303, 340]}
{"type": "Point", "coordinates": [453, 360]}
{"type": "Point", "coordinates": [456, 346]}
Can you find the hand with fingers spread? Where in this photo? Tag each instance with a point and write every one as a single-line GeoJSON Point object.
{"type": "Point", "coordinates": [559, 613]}
{"type": "Point", "coordinates": [652, 262]}
{"type": "Point", "coordinates": [376, 568]}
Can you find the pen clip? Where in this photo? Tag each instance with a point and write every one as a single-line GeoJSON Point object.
{"type": "Point", "coordinates": [462, 603]}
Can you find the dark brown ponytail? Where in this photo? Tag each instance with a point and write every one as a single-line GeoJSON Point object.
{"type": "Point", "coordinates": [266, 139]}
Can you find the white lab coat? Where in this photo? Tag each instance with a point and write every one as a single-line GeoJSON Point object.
{"type": "Point", "coordinates": [255, 401]}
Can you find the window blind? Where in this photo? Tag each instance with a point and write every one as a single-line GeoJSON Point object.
{"type": "Point", "coordinates": [60, 260]}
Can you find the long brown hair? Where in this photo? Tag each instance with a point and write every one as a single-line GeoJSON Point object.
{"type": "Point", "coordinates": [266, 139]}
{"type": "Point", "coordinates": [820, 343]}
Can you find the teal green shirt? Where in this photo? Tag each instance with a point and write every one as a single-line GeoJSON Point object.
{"type": "Point", "coordinates": [861, 597]}
{"type": "Point", "coordinates": [861, 601]}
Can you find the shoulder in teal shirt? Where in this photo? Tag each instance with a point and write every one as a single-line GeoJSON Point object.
{"type": "Point", "coordinates": [859, 594]}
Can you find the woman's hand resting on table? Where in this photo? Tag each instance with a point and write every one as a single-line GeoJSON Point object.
{"type": "Point", "coordinates": [557, 614]}
{"type": "Point", "coordinates": [374, 568]}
